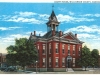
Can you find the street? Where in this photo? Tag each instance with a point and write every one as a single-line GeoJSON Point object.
{"type": "Point", "coordinates": [95, 71]}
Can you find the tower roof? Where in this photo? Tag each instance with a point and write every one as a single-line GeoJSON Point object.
{"type": "Point", "coordinates": [52, 15]}
{"type": "Point", "coordinates": [53, 23]}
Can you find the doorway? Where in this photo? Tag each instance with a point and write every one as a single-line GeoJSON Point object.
{"type": "Point", "coordinates": [68, 62]}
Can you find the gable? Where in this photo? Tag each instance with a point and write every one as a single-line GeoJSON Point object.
{"type": "Point", "coordinates": [69, 37]}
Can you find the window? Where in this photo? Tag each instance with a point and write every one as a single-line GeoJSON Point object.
{"type": "Point", "coordinates": [43, 62]}
{"type": "Point", "coordinates": [56, 47]}
{"type": "Point", "coordinates": [68, 46]}
{"type": "Point", "coordinates": [43, 51]}
{"type": "Point", "coordinates": [79, 50]}
{"type": "Point", "coordinates": [49, 61]}
{"type": "Point", "coordinates": [68, 49]}
{"type": "Point", "coordinates": [49, 48]}
{"type": "Point", "coordinates": [38, 46]}
{"type": "Point", "coordinates": [73, 49]}
{"type": "Point", "coordinates": [56, 62]}
{"type": "Point", "coordinates": [73, 62]}
{"type": "Point", "coordinates": [63, 62]}
{"type": "Point", "coordinates": [63, 48]}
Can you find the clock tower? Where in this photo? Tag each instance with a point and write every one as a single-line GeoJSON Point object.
{"type": "Point", "coordinates": [53, 23]}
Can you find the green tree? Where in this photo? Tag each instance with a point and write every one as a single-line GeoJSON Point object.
{"type": "Point", "coordinates": [85, 59]}
{"type": "Point", "coordinates": [23, 52]}
{"type": "Point", "coordinates": [95, 56]}
{"type": "Point", "coordinates": [10, 57]}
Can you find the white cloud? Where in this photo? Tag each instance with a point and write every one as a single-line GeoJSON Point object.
{"type": "Point", "coordinates": [28, 20]}
{"type": "Point", "coordinates": [62, 9]}
{"type": "Point", "coordinates": [71, 13]}
{"type": "Point", "coordinates": [3, 28]}
{"type": "Point", "coordinates": [84, 28]}
{"type": "Point", "coordinates": [25, 14]}
{"type": "Point", "coordinates": [11, 38]}
{"type": "Point", "coordinates": [43, 16]}
{"type": "Point", "coordinates": [7, 39]}
{"type": "Point", "coordinates": [86, 36]}
{"type": "Point", "coordinates": [35, 18]}
{"type": "Point", "coordinates": [91, 15]}
{"type": "Point", "coordinates": [64, 18]}
{"type": "Point", "coordinates": [67, 18]}
{"type": "Point", "coordinates": [86, 33]}
{"type": "Point", "coordinates": [19, 36]}
{"type": "Point", "coordinates": [8, 28]}
{"type": "Point", "coordinates": [29, 17]}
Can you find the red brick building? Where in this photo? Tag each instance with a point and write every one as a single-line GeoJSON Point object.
{"type": "Point", "coordinates": [56, 51]}
{"type": "Point", "coordinates": [3, 60]}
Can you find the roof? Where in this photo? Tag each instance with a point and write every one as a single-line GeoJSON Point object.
{"type": "Point", "coordinates": [52, 14]}
{"type": "Point", "coordinates": [49, 34]}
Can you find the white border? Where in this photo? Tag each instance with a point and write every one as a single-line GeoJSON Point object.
{"type": "Point", "coordinates": [52, 1]}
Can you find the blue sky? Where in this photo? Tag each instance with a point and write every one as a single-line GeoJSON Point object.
{"type": "Point", "coordinates": [20, 19]}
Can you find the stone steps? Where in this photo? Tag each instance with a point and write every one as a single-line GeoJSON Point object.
{"type": "Point", "coordinates": [69, 70]}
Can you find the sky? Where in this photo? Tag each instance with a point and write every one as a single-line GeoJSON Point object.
{"type": "Point", "coordinates": [18, 20]}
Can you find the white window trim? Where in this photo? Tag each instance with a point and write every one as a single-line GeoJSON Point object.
{"type": "Point", "coordinates": [63, 48]}
{"type": "Point", "coordinates": [49, 61]}
{"type": "Point", "coordinates": [58, 61]}
{"type": "Point", "coordinates": [57, 45]}
{"type": "Point", "coordinates": [74, 62]}
{"type": "Point", "coordinates": [64, 62]}
{"type": "Point", "coordinates": [49, 48]}
{"type": "Point", "coordinates": [43, 60]}
{"type": "Point", "coordinates": [44, 48]}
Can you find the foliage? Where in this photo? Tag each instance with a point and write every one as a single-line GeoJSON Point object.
{"type": "Point", "coordinates": [85, 58]}
{"type": "Point", "coordinates": [22, 53]}
{"type": "Point", "coordinates": [94, 55]}
{"type": "Point", "coordinates": [88, 58]}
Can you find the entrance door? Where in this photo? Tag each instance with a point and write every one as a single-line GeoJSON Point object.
{"type": "Point", "coordinates": [69, 59]}
{"type": "Point", "coordinates": [69, 63]}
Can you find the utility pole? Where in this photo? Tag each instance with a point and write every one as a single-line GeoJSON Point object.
{"type": "Point", "coordinates": [36, 67]}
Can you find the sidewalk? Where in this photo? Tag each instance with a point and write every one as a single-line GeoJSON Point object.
{"type": "Point", "coordinates": [94, 71]}
{"type": "Point", "coordinates": [91, 71]}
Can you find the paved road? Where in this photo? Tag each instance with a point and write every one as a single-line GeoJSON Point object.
{"type": "Point", "coordinates": [95, 71]}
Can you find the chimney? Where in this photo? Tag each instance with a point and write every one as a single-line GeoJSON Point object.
{"type": "Point", "coordinates": [60, 34]}
{"type": "Point", "coordinates": [76, 35]}
{"type": "Point", "coordinates": [34, 33]}
{"type": "Point", "coordinates": [53, 32]}
{"type": "Point", "coordinates": [39, 34]}
{"type": "Point", "coordinates": [31, 33]}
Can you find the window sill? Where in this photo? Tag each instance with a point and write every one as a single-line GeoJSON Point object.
{"type": "Point", "coordinates": [43, 54]}
{"type": "Point", "coordinates": [57, 66]}
{"type": "Point", "coordinates": [43, 66]}
{"type": "Point", "coordinates": [63, 66]}
{"type": "Point", "coordinates": [57, 53]}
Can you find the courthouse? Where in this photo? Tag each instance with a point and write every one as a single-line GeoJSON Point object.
{"type": "Point", "coordinates": [56, 51]}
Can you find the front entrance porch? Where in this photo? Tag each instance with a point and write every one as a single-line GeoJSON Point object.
{"type": "Point", "coordinates": [69, 64]}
